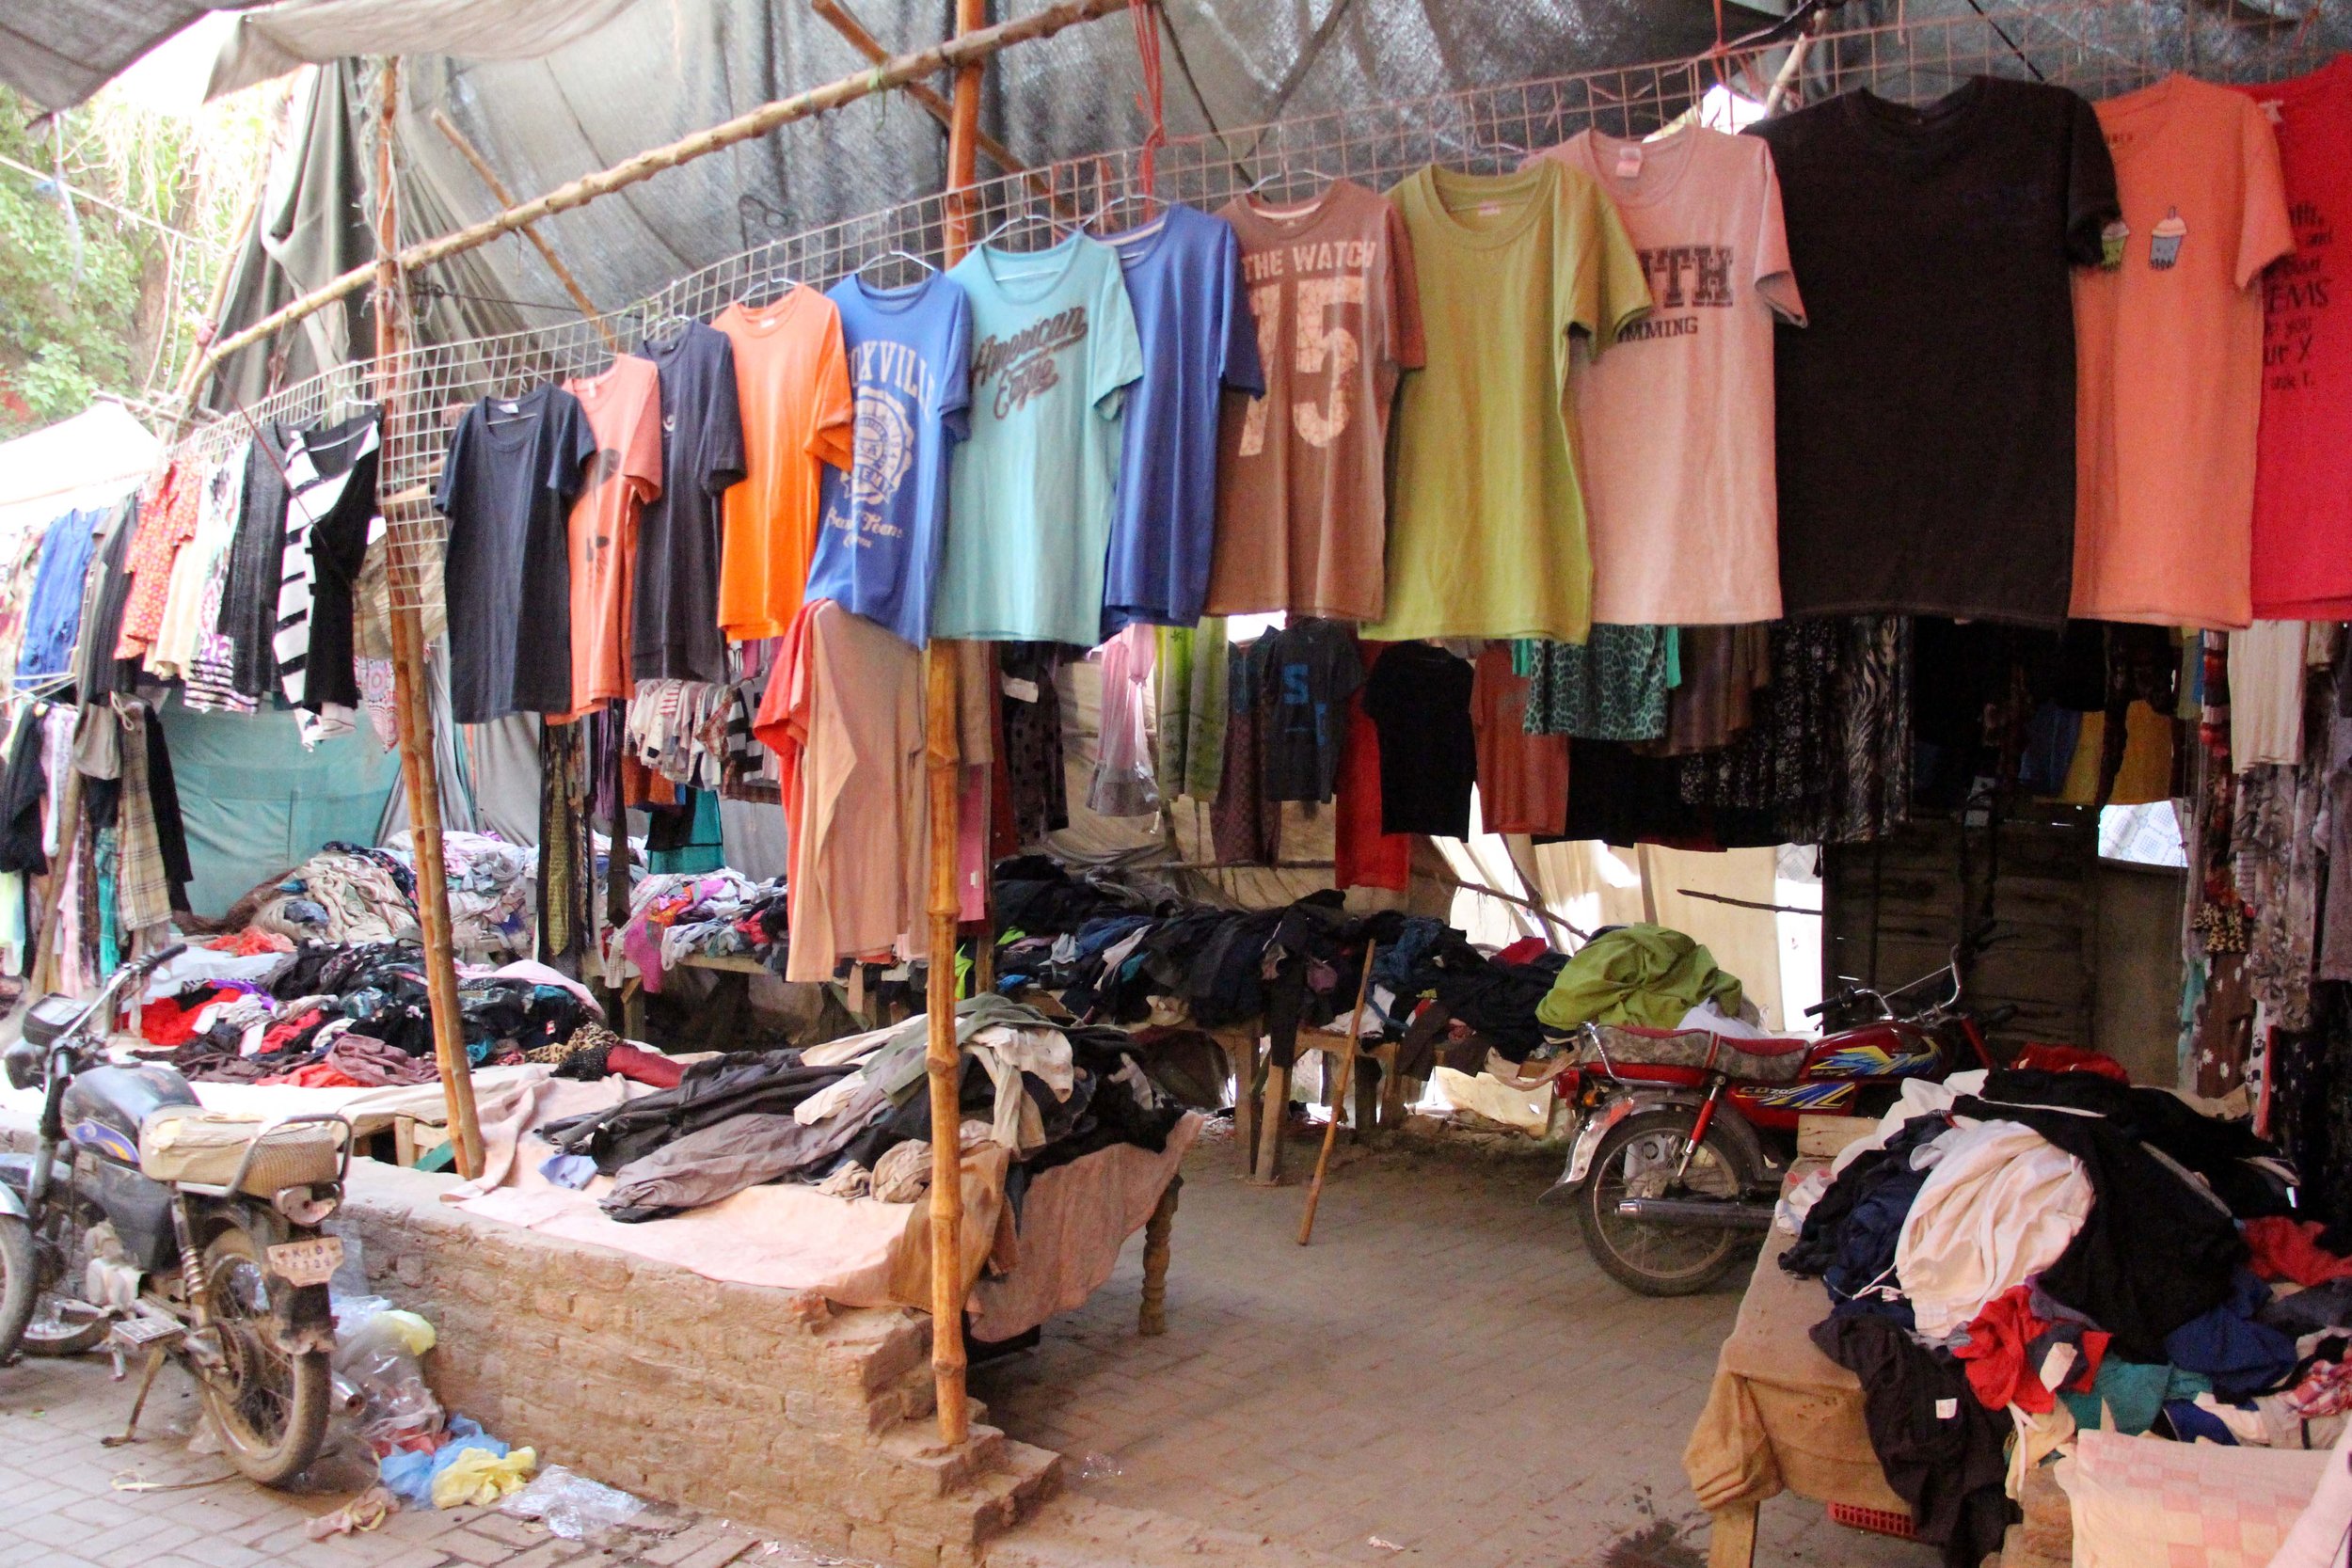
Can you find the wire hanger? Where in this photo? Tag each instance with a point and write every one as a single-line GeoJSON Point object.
{"type": "Point", "coordinates": [767, 285]}
{"type": "Point", "coordinates": [1029, 214]}
{"type": "Point", "coordinates": [894, 254]}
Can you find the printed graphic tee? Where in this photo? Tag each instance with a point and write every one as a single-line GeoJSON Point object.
{"type": "Point", "coordinates": [1680, 487]}
{"type": "Point", "coordinates": [1308, 671]}
{"type": "Point", "coordinates": [673, 609]}
{"type": "Point", "coordinates": [1054, 350]}
{"type": "Point", "coordinates": [2302, 506]}
{"type": "Point", "coordinates": [623, 409]}
{"type": "Point", "coordinates": [2169, 344]}
{"type": "Point", "coordinates": [910, 354]}
{"type": "Point", "coordinates": [1418, 697]}
{"type": "Point", "coordinates": [1183, 283]}
{"type": "Point", "coordinates": [1302, 480]}
{"type": "Point", "coordinates": [792, 382]}
{"type": "Point", "coordinates": [1486, 534]}
{"type": "Point", "coordinates": [1925, 414]}
{"type": "Point", "coordinates": [507, 485]}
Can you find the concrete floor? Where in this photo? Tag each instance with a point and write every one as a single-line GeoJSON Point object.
{"type": "Point", "coordinates": [1443, 1378]}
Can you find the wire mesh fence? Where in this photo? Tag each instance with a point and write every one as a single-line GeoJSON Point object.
{"type": "Point", "coordinates": [2097, 49]}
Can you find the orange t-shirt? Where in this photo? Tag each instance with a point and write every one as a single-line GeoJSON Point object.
{"type": "Point", "coordinates": [2169, 346]}
{"type": "Point", "coordinates": [624, 407]}
{"type": "Point", "coordinates": [792, 381]}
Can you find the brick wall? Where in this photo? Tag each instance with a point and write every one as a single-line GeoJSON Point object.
{"type": "Point", "coordinates": [771, 1407]}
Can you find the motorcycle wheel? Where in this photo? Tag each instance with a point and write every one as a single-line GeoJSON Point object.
{"type": "Point", "coordinates": [19, 1282]}
{"type": "Point", "coordinates": [62, 1323]}
{"type": "Point", "coordinates": [269, 1406]}
{"type": "Point", "coordinates": [1638, 1159]}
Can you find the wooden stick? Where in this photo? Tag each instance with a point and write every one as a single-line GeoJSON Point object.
{"type": "Point", "coordinates": [409, 709]}
{"type": "Point", "coordinates": [473, 154]}
{"type": "Point", "coordinates": [923, 93]}
{"type": "Point", "coordinates": [964, 50]}
{"type": "Point", "coordinates": [943, 768]}
{"type": "Point", "coordinates": [1339, 1096]}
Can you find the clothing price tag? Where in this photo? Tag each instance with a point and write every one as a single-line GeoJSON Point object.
{"type": "Point", "coordinates": [1020, 690]}
{"type": "Point", "coordinates": [1629, 161]}
{"type": "Point", "coordinates": [1490, 209]}
{"type": "Point", "coordinates": [1946, 1409]}
{"type": "Point", "coordinates": [2270, 109]}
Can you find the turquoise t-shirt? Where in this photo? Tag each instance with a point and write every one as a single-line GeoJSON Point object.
{"type": "Point", "coordinates": [1053, 349]}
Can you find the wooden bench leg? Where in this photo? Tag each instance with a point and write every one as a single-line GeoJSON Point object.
{"type": "Point", "coordinates": [1273, 1116]}
{"type": "Point", "coordinates": [1732, 1543]}
{"type": "Point", "coordinates": [1152, 1318]}
{"type": "Point", "coordinates": [1241, 1060]}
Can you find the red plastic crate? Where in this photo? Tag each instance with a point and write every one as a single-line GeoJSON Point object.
{"type": "Point", "coordinates": [1878, 1521]}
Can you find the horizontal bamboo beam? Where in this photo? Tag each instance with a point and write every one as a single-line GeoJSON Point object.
{"type": "Point", "coordinates": [897, 72]}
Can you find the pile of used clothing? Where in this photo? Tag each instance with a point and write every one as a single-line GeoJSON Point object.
{"type": "Point", "coordinates": [344, 894]}
{"type": "Point", "coordinates": [853, 1117]}
{"type": "Point", "coordinates": [357, 1016]}
{"type": "Point", "coordinates": [493, 888]}
{"type": "Point", "coordinates": [675, 915]}
{"type": "Point", "coordinates": [2019, 1253]}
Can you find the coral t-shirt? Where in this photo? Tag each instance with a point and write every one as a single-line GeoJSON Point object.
{"type": "Point", "coordinates": [2168, 359]}
{"type": "Point", "coordinates": [792, 383]}
{"type": "Point", "coordinates": [624, 408]}
{"type": "Point", "coordinates": [2302, 507]}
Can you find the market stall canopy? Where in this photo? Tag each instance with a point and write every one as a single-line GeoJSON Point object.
{"type": "Point", "coordinates": [59, 52]}
{"type": "Point", "coordinates": [93, 459]}
{"type": "Point", "coordinates": [271, 41]}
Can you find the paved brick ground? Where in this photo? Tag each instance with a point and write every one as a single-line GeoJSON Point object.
{"type": "Point", "coordinates": [1443, 1368]}
{"type": "Point", "coordinates": [62, 1504]}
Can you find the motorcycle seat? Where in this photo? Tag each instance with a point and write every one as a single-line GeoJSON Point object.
{"type": "Point", "coordinates": [187, 1143]}
{"type": "Point", "coordinates": [1753, 1061]}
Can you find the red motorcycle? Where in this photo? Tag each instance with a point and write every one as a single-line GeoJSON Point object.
{"type": "Point", "coordinates": [1682, 1135]}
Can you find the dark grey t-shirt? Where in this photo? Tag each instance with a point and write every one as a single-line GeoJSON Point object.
{"type": "Point", "coordinates": [1305, 673]}
{"type": "Point", "coordinates": [674, 618]}
{"type": "Point", "coordinates": [507, 487]}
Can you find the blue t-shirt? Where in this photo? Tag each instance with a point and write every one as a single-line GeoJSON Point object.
{"type": "Point", "coordinates": [1183, 280]}
{"type": "Point", "coordinates": [52, 615]}
{"type": "Point", "coordinates": [910, 358]}
{"type": "Point", "coordinates": [1054, 350]}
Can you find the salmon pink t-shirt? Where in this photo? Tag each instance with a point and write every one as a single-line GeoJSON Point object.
{"type": "Point", "coordinates": [624, 408]}
{"type": "Point", "coordinates": [2302, 506]}
{"type": "Point", "coordinates": [2168, 358]}
{"type": "Point", "coordinates": [792, 382]}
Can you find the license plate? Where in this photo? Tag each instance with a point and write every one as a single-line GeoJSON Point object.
{"type": "Point", "coordinates": [310, 1263]}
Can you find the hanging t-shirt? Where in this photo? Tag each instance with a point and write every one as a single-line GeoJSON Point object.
{"type": "Point", "coordinates": [1183, 283]}
{"type": "Point", "coordinates": [623, 409]}
{"type": "Point", "coordinates": [1678, 477]}
{"type": "Point", "coordinates": [1302, 482]}
{"type": "Point", "coordinates": [1054, 350]}
{"type": "Point", "coordinates": [1418, 697]}
{"type": "Point", "coordinates": [1307, 669]}
{"type": "Point", "coordinates": [2302, 507]}
{"type": "Point", "coordinates": [2268, 666]}
{"type": "Point", "coordinates": [792, 383]}
{"type": "Point", "coordinates": [507, 484]}
{"type": "Point", "coordinates": [674, 611]}
{"type": "Point", "coordinates": [1926, 411]}
{"type": "Point", "coordinates": [2169, 346]}
{"type": "Point", "coordinates": [1522, 778]}
{"type": "Point", "coordinates": [1362, 854]}
{"type": "Point", "coordinates": [1487, 534]}
{"type": "Point", "coordinates": [910, 354]}
{"type": "Point", "coordinates": [330, 515]}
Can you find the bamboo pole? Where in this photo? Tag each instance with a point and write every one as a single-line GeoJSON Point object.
{"type": "Point", "coordinates": [925, 96]}
{"type": "Point", "coordinates": [410, 709]}
{"type": "Point", "coordinates": [943, 768]}
{"type": "Point", "coordinates": [1339, 1095]}
{"type": "Point", "coordinates": [498, 193]}
{"type": "Point", "coordinates": [960, 53]}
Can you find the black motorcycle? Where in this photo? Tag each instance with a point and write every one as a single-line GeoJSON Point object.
{"type": "Point", "coordinates": [143, 1221]}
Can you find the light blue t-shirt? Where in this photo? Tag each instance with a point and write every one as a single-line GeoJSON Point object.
{"type": "Point", "coordinates": [882, 522]}
{"type": "Point", "coordinates": [1192, 312]}
{"type": "Point", "coordinates": [1053, 349]}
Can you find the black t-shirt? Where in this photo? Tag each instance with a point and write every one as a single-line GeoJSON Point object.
{"type": "Point", "coordinates": [1419, 699]}
{"type": "Point", "coordinates": [674, 618]}
{"type": "Point", "coordinates": [1926, 410]}
{"type": "Point", "coordinates": [506, 488]}
{"type": "Point", "coordinates": [1305, 672]}
{"type": "Point", "coordinates": [337, 543]}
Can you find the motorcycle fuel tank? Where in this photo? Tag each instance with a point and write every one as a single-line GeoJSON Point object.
{"type": "Point", "coordinates": [106, 1108]}
{"type": "Point", "coordinates": [1884, 1050]}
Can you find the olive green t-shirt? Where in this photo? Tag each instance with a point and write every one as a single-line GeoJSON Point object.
{"type": "Point", "coordinates": [1487, 534]}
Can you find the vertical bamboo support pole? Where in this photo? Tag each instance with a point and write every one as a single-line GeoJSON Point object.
{"type": "Point", "coordinates": [413, 717]}
{"type": "Point", "coordinates": [943, 768]}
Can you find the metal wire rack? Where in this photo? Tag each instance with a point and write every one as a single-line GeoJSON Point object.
{"type": "Point", "coordinates": [2097, 49]}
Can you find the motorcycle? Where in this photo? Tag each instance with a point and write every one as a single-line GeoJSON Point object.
{"type": "Point", "coordinates": [140, 1222]}
{"type": "Point", "coordinates": [1682, 1137]}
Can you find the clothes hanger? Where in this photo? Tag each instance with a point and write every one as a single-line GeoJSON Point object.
{"type": "Point", "coordinates": [1027, 215]}
{"type": "Point", "coordinates": [772, 281]}
{"type": "Point", "coordinates": [893, 255]}
{"type": "Point", "coordinates": [1111, 204]}
{"type": "Point", "coordinates": [1284, 174]}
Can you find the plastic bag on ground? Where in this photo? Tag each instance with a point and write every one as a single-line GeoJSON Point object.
{"type": "Point", "coordinates": [571, 1505]}
{"type": "Point", "coordinates": [377, 1350]}
{"type": "Point", "coordinates": [478, 1471]}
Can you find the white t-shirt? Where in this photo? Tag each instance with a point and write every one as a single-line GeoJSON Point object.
{"type": "Point", "coordinates": [2267, 664]}
{"type": "Point", "coordinates": [1677, 419]}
